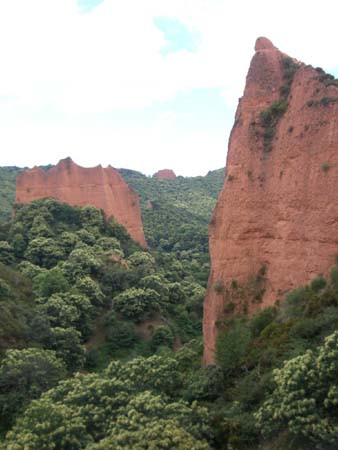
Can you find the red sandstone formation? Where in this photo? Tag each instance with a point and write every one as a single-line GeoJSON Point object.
{"type": "Point", "coordinates": [275, 226]}
{"type": "Point", "coordinates": [165, 174]}
{"type": "Point", "coordinates": [101, 187]}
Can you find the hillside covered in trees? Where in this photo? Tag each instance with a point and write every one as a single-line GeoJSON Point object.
{"type": "Point", "coordinates": [100, 340]}
{"type": "Point", "coordinates": [175, 213]}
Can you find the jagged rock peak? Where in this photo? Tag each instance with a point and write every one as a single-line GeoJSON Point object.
{"type": "Point", "coordinates": [103, 188]}
{"type": "Point", "coordinates": [166, 174]}
{"type": "Point", "coordinates": [275, 225]}
{"type": "Point", "coordinates": [263, 43]}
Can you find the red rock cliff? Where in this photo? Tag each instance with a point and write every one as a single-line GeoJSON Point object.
{"type": "Point", "coordinates": [166, 174]}
{"type": "Point", "coordinates": [275, 226]}
{"type": "Point", "coordinates": [103, 188]}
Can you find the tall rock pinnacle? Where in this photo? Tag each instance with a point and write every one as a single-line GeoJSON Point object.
{"type": "Point", "coordinates": [103, 188]}
{"type": "Point", "coordinates": [275, 226]}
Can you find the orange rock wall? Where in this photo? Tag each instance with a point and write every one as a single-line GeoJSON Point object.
{"type": "Point", "coordinates": [166, 174]}
{"type": "Point", "coordinates": [275, 226]}
{"type": "Point", "coordinates": [103, 188]}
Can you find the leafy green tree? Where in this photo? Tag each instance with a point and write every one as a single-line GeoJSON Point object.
{"type": "Point", "coordinates": [176, 293]}
{"type": "Point", "coordinates": [40, 228]}
{"type": "Point", "coordinates": [68, 240]}
{"type": "Point", "coordinates": [59, 311]}
{"type": "Point", "coordinates": [67, 345]}
{"type": "Point", "coordinates": [50, 282]}
{"type": "Point", "coordinates": [204, 384]}
{"type": "Point", "coordinates": [44, 252]}
{"type": "Point", "coordinates": [158, 284]}
{"type": "Point", "coordinates": [162, 336]}
{"type": "Point", "coordinates": [30, 270]}
{"type": "Point", "coordinates": [19, 244]}
{"type": "Point", "coordinates": [231, 346]}
{"type": "Point", "coordinates": [24, 375]}
{"type": "Point", "coordinates": [149, 422]}
{"type": "Point", "coordinates": [120, 402]}
{"type": "Point", "coordinates": [81, 262]}
{"type": "Point", "coordinates": [69, 310]}
{"type": "Point", "coordinates": [334, 277]}
{"type": "Point", "coordinates": [143, 262]}
{"type": "Point", "coordinates": [91, 217]}
{"type": "Point", "coordinates": [137, 304]}
{"type": "Point", "coordinates": [4, 289]}
{"type": "Point", "coordinates": [48, 426]}
{"type": "Point", "coordinates": [110, 244]}
{"type": "Point", "coordinates": [91, 289]}
{"type": "Point", "coordinates": [120, 334]}
{"type": "Point", "coordinates": [304, 400]}
{"type": "Point", "coordinates": [6, 253]}
{"type": "Point", "coordinates": [88, 237]}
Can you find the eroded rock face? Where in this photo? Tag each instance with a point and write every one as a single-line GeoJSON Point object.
{"type": "Point", "coordinates": [275, 226]}
{"type": "Point", "coordinates": [166, 174]}
{"type": "Point", "coordinates": [101, 187]}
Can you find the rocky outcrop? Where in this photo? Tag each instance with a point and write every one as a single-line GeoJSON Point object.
{"type": "Point", "coordinates": [275, 226]}
{"type": "Point", "coordinates": [101, 187]}
{"type": "Point", "coordinates": [165, 174]}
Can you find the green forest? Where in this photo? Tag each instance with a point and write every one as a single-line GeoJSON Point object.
{"type": "Point", "coordinates": [101, 340]}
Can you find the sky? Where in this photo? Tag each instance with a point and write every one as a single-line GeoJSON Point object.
{"type": "Point", "coordinates": [140, 84]}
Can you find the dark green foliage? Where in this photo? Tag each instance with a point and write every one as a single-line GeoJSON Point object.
{"type": "Point", "coordinates": [305, 398]}
{"type": "Point", "coordinates": [324, 101]}
{"type": "Point", "coordinates": [50, 282]}
{"type": "Point", "coordinates": [269, 120]}
{"type": "Point", "coordinates": [308, 315]}
{"type": "Point", "coordinates": [6, 253]}
{"type": "Point", "coordinates": [325, 167]}
{"type": "Point", "coordinates": [318, 283]}
{"type": "Point", "coordinates": [120, 334]}
{"type": "Point", "coordinates": [15, 308]}
{"type": "Point", "coordinates": [137, 304]}
{"type": "Point", "coordinates": [334, 277]}
{"type": "Point", "coordinates": [231, 346]}
{"type": "Point", "coordinates": [205, 384]}
{"type": "Point", "coordinates": [24, 375]}
{"type": "Point", "coordinates": [126, 406]}
{"type": "Point", "coordinates": [261, 320]}
{"type": "Point", "coordinates": [219, 286]}
{"type": "Point", "coordinates": [66, 342]}
{"type": "Point", "coordinates": [176, 214]}
{"type": "Point", "coordinates": [289, 67]}
{"type": "Point", "coordinates": [162, 336]}
{"type": "Point", "coordinates": [270, 116]}
{"type": "Point", "coordinates": [7, 192]}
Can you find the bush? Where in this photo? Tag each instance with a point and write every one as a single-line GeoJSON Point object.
{"type": "Point", "coordinates": [270, 116]}
{"type": "Point", "coordinates": [4, 289]}
{"type": "Point", "coordinates": [120, 334]}
{"type": "Point", "coordinates": [162, 336]}
{"type": "Point", "coordinates": [231, 346]}
{"type": "Point", "coordinates": [24, 375]}
{"type": "Point", "coordinates": [318, 283]}
{"type": "Point", "coordinates": [304, 400]}
{"type": "Point", "coordinates": [260, 320]}
{"type": "Point", "coordinates": [137, 304]}
{"type": "Point", "coordinates": [334, 277]}
{"type": "Point", "coordinates": [219, 286]}
{"type": "Point", "coordinates": [6, 253]}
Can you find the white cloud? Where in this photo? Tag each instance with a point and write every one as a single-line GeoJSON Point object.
{"type": "Point", "coordinates": [55, 58]}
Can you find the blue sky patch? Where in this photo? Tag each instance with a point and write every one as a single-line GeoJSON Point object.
{"type": "Point", "coordinates": [177, 35]}
{"type": "Point", "coordinates": [87, 5]}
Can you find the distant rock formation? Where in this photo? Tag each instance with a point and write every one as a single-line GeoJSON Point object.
{"type": "Point", "coordinates": [165, 174]}
{"type": "Point", "coordinates": [101, 187]}
{"type": "Point", "coordinates": [275, 226]}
